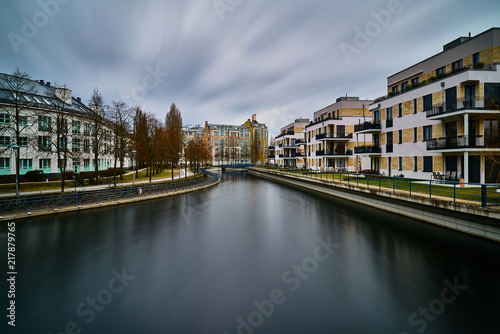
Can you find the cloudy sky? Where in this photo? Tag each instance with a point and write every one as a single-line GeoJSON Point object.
{"type": "Point", "coordinates": [224, 60]}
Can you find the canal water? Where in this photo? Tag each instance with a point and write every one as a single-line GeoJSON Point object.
{"type": "Point", "coordinates": [249, 256]}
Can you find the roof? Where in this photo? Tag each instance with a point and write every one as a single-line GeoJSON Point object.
{"type": "Point", "coordinates": [36, 94]}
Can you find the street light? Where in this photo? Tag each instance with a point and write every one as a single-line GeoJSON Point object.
{"type": "Point", "coordinates": [133, 167]}
{"type": "Point", "coordinates": [16, 150]}
{"type": "Point", "coordinates": [180, 155]}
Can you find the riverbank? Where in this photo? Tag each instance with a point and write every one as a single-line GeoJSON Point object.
{"type": "Point", "coordinates": [463, 216]}
{"type": "Point", "coordinates": [139, 196]}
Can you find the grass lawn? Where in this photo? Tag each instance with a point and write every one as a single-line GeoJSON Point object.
{"type": "Point", "coordinates": [404, 184]}
{"type": "Point", "coordinates": [38, 186]}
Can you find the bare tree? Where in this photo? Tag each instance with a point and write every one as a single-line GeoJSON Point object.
{"type": "Point", "coordinates": [120, 116]}
{"type": "Point", "coordinates": [255, 149]}
{"type": "Point", "coordinates": [173, 127]}
{"type": "Point", "coordinates": [15, 120]}
{"type": "Point", "coordinates": [96, 116]}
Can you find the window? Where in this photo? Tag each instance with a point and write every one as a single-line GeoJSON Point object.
{"type": "Point", "coordinates": [4, 140]}
{"type": "Point", "coordinates": [23, 120]}
{"type": "Point", "coordinates": [491, 132]}
{"type": "Point", "coordinates": [427, 99]}
{"type": "Point", "coordinates": [76, 145]}
{"type": "Point", "coordinates": [4, 163]}
{"type": "Point", "coordinates": [440, 72]}
{"type": "Point", "coordinates": [216, 133]}
{"type": "Point", "coordinates": [400, 163]}
{"type": "Point", "coordinates": [457, 65]}
{"type": "Point", "coordinates": [216, 142]}
{"type": "Point", "coordinates": [4, 119]}
{"type": "Point", "coordinates": [44, 163]}
{"type": "Point", "coordinates": [415, 106]}
{"type": "Point", "coordinates": [427, 164]}
{"type": "Point", "coordinates": [475, 58]}
{"type": "Point", "coordinates": [76, 128]}
{"type": "Point", "coordinates": [44, 123]}
{"type": "Point", "coordinates": [415, 164]}
{"type": "Point", "coordinates": [415, 135]}
{"type": "Point", "coordinates": [400, 110]}
{"type": "Point", "coordinates": [388, 147]}
{"type": "Point", "coordinates": [400, 136]}
{"type": "Point", "coordinates": [23, 141]}
{"type": "Point", "coordinates": [388, 117]}
{"type": "Point", "coordinates": [395, 89]}
{"type": "Point", "coordinates": [404, 86]}
{"type": "Point", "coordinates": [415, 80]}
{"type": "Point", "coordinates": [76, 162]}
{"type": "Point", "coordinates": [63, 142]}
{"type": "Point", "coordinates": [86, 163]}
{"type": "Point", "coordinates": [86, 146]}
{"type": "Point", "coordinates": [44, 143]}
{"type": "Point", "coordinates": [86, 129]}
{"type": "Point", "coordinates": [427, 132]}
{"type": "Point", "coordinates": [26, 164]}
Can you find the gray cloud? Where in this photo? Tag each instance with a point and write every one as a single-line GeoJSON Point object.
{"type": "Point", "coordinates": [279, 59]}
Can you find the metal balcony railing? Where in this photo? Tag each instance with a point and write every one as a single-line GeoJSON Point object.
{"type": "Point", "coordinates": [367, 126]}
{"type": "Point", "coordinates": [367, 149]}
{"type": "Point", "coordinates": [448, 143]}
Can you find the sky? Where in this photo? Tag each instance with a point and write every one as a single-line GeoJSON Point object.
{"type": "Point", "coordinates": [223, 60]}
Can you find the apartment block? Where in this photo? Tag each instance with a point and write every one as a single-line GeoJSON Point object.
{"type": "Point", "coordinates": [440, 115]}
{"type": "Point", "coordinates": [290, 144]}
{"type": "Point", "coordinates": [330, 137]}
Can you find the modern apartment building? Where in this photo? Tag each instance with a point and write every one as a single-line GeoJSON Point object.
{"type": "Point", "coordinates": [38, 120]}
{"type": "Point", "coordinates": [440, 115]}
{"type": "Point", "coordinates": [330, 139]}
{"type": "Point", "coordinates": [290, 144]}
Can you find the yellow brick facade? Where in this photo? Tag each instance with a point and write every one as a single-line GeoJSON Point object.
{"type": "Point", "coordinates": [437, 163]}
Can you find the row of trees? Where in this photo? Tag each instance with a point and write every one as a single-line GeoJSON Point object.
{"type": "Point", "coordinates": [115, 130]}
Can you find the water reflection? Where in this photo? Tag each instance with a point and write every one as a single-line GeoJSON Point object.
{"type": "Point", "coordinates": [203, 261]}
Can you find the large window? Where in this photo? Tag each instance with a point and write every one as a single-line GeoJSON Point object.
{"type": "Point", "coordinates": [44, 163]}
{"type": "Point", "coordinates": [216, 142]}
{"type": "Point", "coordinates": [492, 95]}
{"type": "Point", "coordinates": [389, 148]}
{"type": "Point", "coordinates": [86, 129]}
{"type": "Point", "coordinates": [44, 123]}
{"type": "Point", "coordinates": [395, 89]}
{"type": "Point", "coordinates": [76, 128]}
{"type": "Point", "coordinates": [404, 86]}
{"type": "Point", "coordinates": [44, 143]}
{"type": "Point", "coordinates": [26, 164]}
{"type": "Point", "coordinates": [427, 164]}
{"type": "Point", "coordinates": [388, 117]}
{"type": "Point", "coordinates": [491, 135]}
{"type": "Point", "coordinates": [4, 140]}
{"type": "Point", "coordinates": [475, 58]}
{"type": "Point", "coordinates": [427, 132]}
{"type": "Point", "coordinates": [415, 80]}
{"type": "Point", "coordinates": [76, 145]}
{"type": "Point", "coordinates": [427, 99]}
{"type": "Point", "coordinates": [400, 136]}
{"type": "Point", "coordinates": [4, 119]}
{"type": "Point", "coordinates": [23, 141]}
{"type": "Point", "coordinates": [457, 65]}
{"type": "Point", "coordinates": [4, 163]}
{"type": "Point", "coordinates": [441, 71]}
{"type": "Point", "coordinates": [63, 142]}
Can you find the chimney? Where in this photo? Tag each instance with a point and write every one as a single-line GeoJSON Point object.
{"type": "Point", "coordinates": [79, 99]}
{"type": "Point", "coordinates": [254, 118]}
{"type": "Point", "coordinates": [48, 84]}
{"type": "Point", "coordinates": [469, 34]}
{"type": "Point", "coordinates": [42, 82]}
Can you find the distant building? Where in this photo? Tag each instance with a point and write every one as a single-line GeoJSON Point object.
{"type": "Point", "coordinates": [440, 115]}
{"type": "Point", "coordinates": [290, 145]}
{"type": "Point", "coordinates": [330, 136]}
{"type": "Point", "coordinates": [39, 105]}
{"type": "Point", "coordinates": [228, 143]}
{"type": "Point", "coordinates": [259, 134]}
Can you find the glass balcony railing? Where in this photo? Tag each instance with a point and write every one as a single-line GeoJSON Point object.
{"type": "Point", "coordinates": [448, 143]}
{"type": "Point", "coordinates": [367, 149]}
{"type": "Point", "coordinates": [477, 102]}
{"type": "Point", "coordinates": [367, 126]}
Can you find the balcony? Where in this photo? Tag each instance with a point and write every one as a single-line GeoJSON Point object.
{"type": "Point", "coordinates": [331, 117]}
{"type": "Point", "coordinates": [367, 127]}
{"type": "Point", "coordinates": [454, 143]}
{"type": "Point", "coordinates": [367, 150]}
{"type": "Point", "coordinates": [334, 136]}
{"type": "Point", "coordinates": [333, 153]}
{"type": "Point", "coordinates": [473, 103]}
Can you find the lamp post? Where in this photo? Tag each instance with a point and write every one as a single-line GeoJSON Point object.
{"type": "Point", "coordinates": [133, 167]}
{"type": "Point", "coordinates": [16, 151]}
{"type": "Point", "coordinates": [180, 155]}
